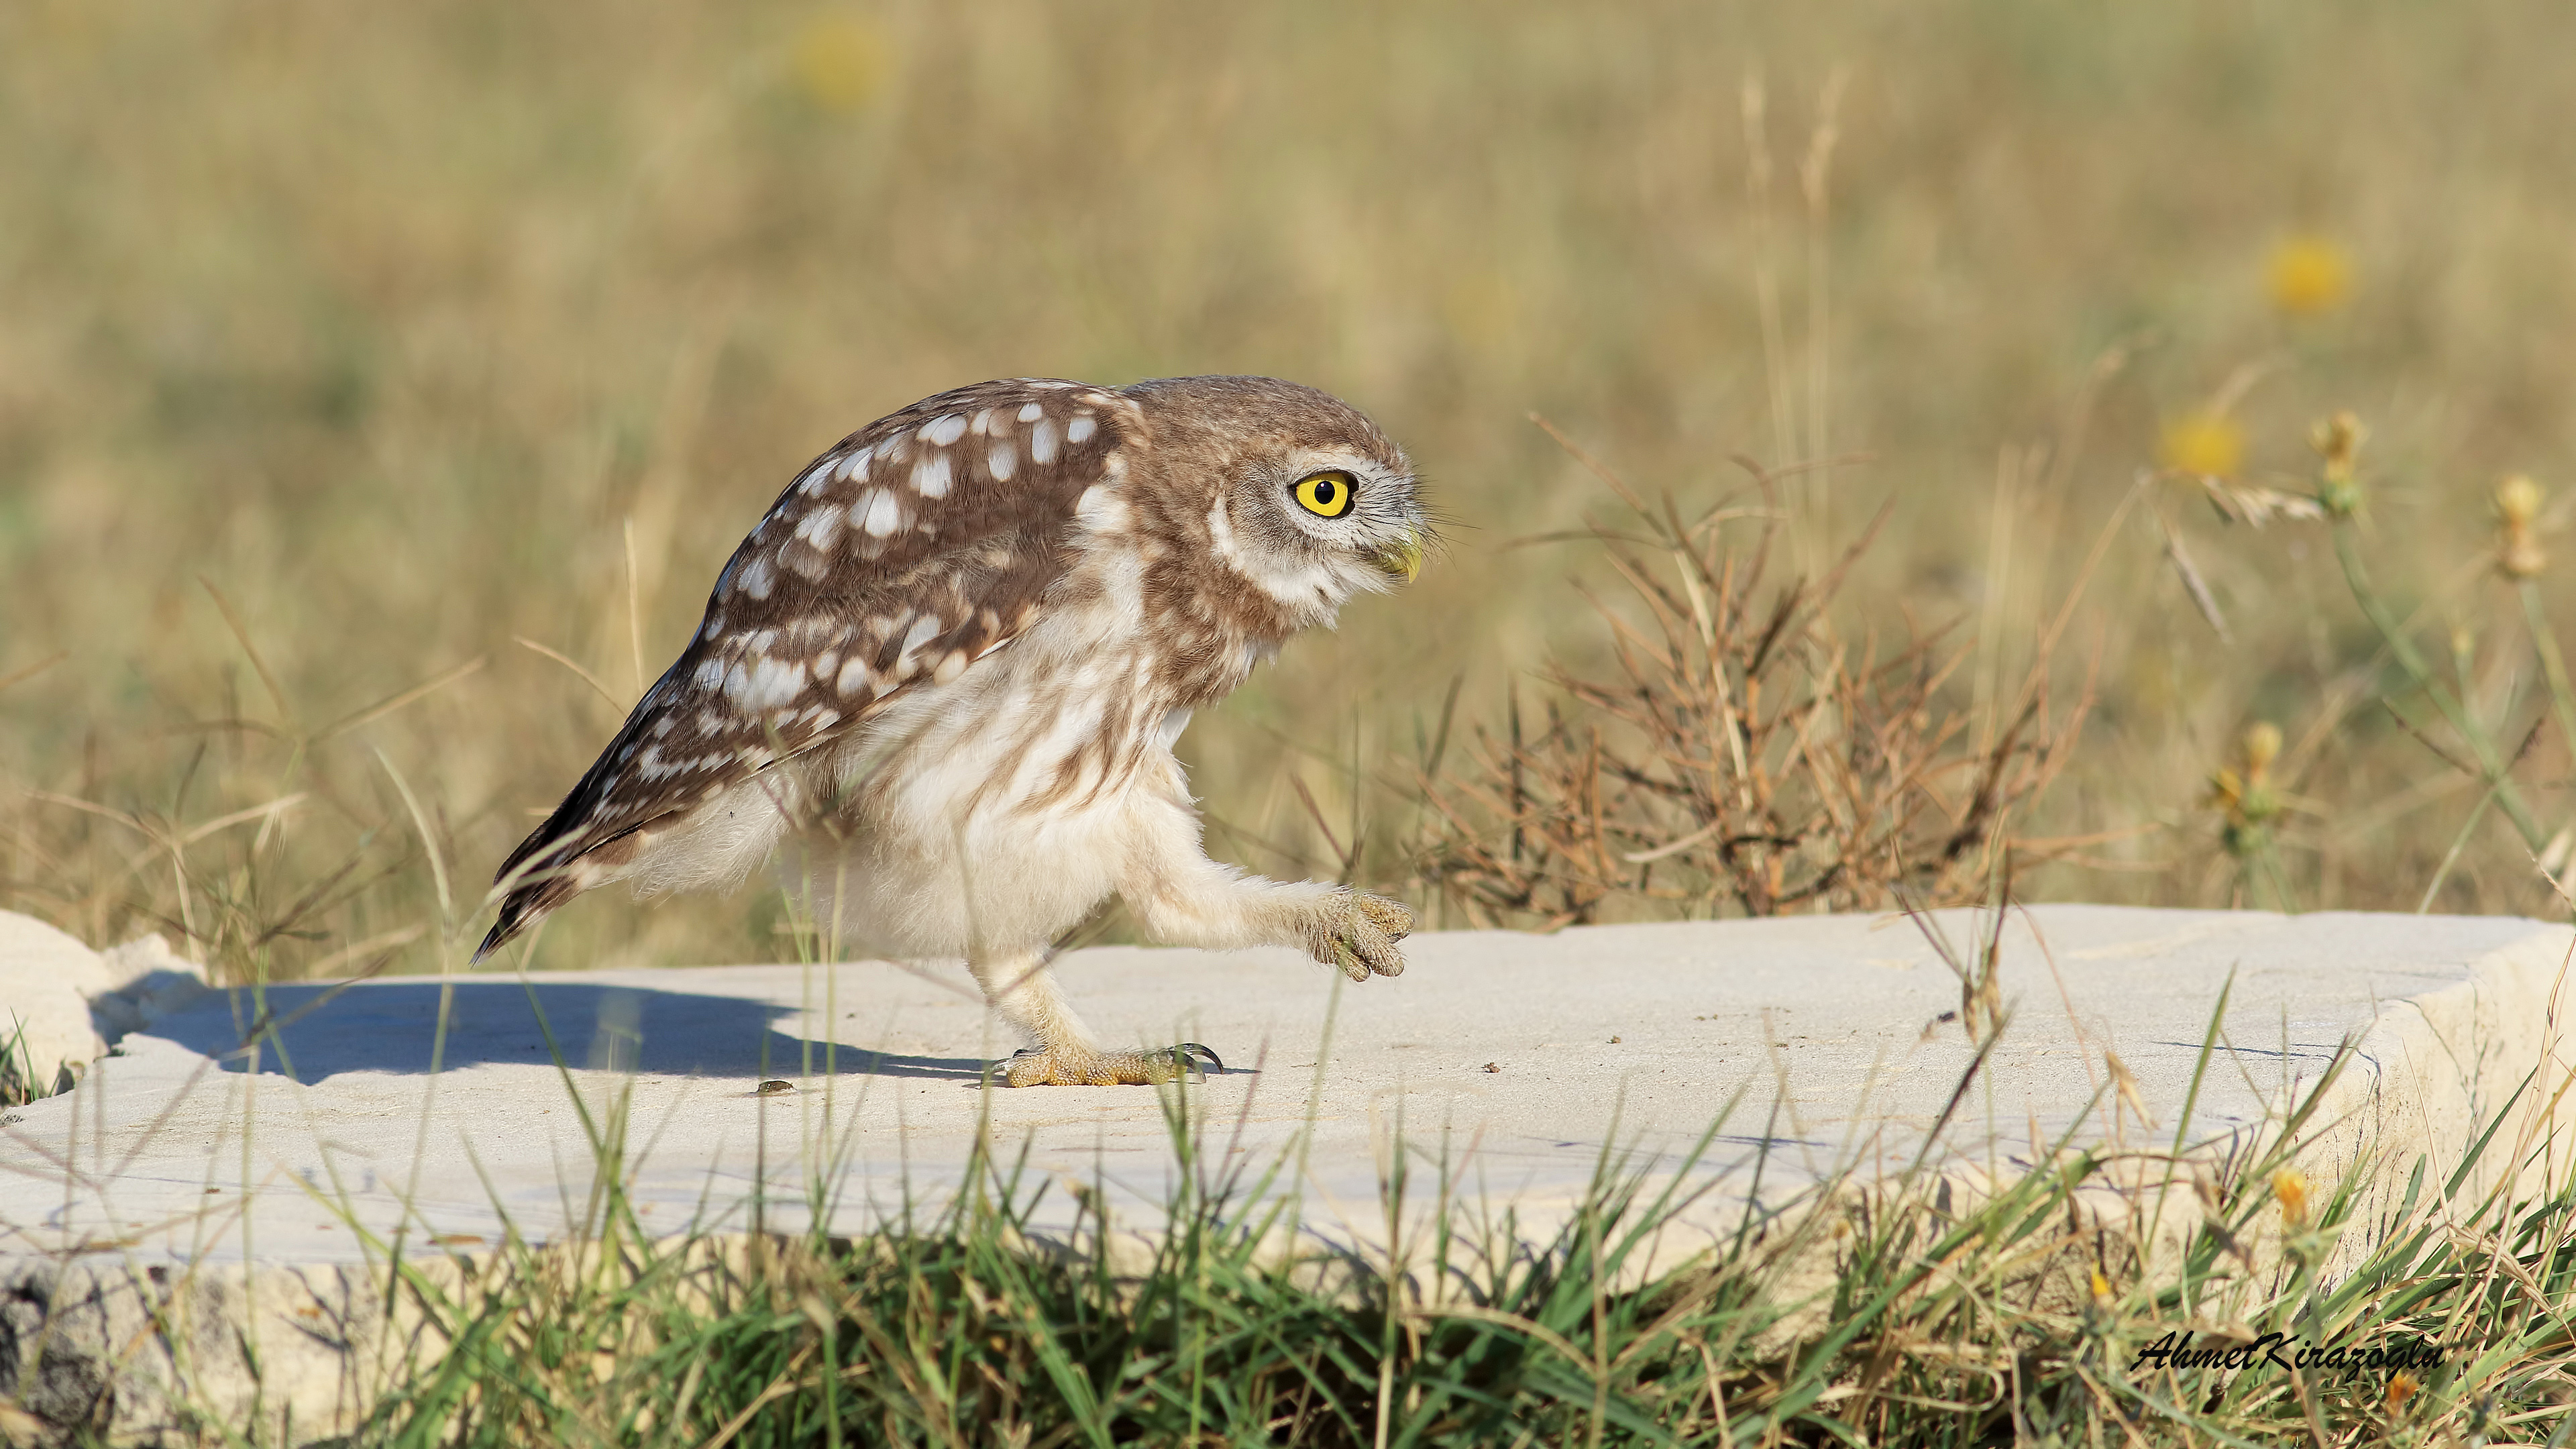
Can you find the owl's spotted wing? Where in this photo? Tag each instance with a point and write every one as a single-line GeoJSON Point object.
{"type": "Point", "coordinates": [918, 545]}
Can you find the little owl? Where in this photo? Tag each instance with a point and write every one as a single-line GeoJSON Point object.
{"type": "Point", "coordinates": [953, 661]}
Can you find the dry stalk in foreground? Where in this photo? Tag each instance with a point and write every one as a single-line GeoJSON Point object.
{"type": "Point", "coordinates": [1744, 757]}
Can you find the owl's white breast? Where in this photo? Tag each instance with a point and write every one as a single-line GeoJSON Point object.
{"type": "Point", "coordinates": [1001, 801]}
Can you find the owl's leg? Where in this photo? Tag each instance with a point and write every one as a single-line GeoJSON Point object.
{"type": "Point", "coordinates": [1020, 987]}
{"type": "Point", "coordinates": [1182, 898]}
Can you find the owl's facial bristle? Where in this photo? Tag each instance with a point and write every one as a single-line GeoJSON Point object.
{"type": "Point", "coordinates": [1400, 559]}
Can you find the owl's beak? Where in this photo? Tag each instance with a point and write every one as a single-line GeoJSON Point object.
{"type": "Point", "coordinates": [1400, 560]}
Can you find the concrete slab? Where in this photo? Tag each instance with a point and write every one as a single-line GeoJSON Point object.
{"type": "Point", "coordinates": [1515, 1060]}
{"type": "Point", "coordinates": [60, 1001]}
{"type": "Point", "coordinates": [1528, 1054]}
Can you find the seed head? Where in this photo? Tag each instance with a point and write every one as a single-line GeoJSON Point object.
{"type": "Point", "coordinates": [2517, 506]}
{"type": "Point", "coordinates": [2517, 500]}
{"type": "Point", "coordinates": [2242, 793]}
{"type": "Point", "coordinates": [2262, 747]}
{"type": "Point", "coordinates": [2338, 443]}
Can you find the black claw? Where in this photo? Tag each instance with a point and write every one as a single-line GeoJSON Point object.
{"type": "Point", "coordinates": [1188, 1054]}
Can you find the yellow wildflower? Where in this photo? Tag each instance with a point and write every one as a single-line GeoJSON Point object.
{"type": "Point", "coordinates": [838, 61]}
{"type": "Point", "coordinates": [2291, 1189]}
{"type": "Point", "coordinates": [2308, 275]}
{"type": "Point", "coordinates": [2204, 445]}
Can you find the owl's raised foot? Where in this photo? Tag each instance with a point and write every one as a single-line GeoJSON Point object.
{"type": "Point", "coordinates": [1362, 940]}
{"type": "Point", "coordinates": [1070, 1067]}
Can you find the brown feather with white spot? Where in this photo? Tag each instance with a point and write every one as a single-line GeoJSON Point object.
{"type": "Point", "coordinates": [954, 660]}
{"type": "Point", "coordinates": [931, 535]}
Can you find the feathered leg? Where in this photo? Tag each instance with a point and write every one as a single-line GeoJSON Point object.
{"type": "Point", "coordinates": [1182, 898]}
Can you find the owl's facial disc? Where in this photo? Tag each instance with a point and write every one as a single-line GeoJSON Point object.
{"type": "Point", "coordinates": [1313, 524]}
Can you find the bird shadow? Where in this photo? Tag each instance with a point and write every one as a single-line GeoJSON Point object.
{"type": "Point", "coordinates": [319, 1030]}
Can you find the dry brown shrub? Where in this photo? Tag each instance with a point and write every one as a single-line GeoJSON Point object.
{"type": "Point", "coordinates": [1745, 755]}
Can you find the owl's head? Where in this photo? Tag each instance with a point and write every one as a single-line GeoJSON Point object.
{"type": "Point", "coordinates": [1305, 497]}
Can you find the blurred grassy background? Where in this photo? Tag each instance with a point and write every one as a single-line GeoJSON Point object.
{"type": "Point", "coordinates": [399, 331]}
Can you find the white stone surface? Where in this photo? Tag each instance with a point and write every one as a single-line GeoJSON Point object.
{"type": "Point", "coordinates": [1633, 1036]}
{"type": "Point", "coordinates": [46, 980]}
{"type": "Point", "coordinates": [1512, 1062]}
{"type": "Point", "coordinates": [61, 1002]}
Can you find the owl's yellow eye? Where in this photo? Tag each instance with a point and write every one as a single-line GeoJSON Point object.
{"type": "Point", "coordinates": [1326, 495]}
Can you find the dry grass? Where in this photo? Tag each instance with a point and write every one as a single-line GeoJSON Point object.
{"type": "Point", "coordinates": [1745, 758]}
{"type": "Point", "coordinates": [347, 350]}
